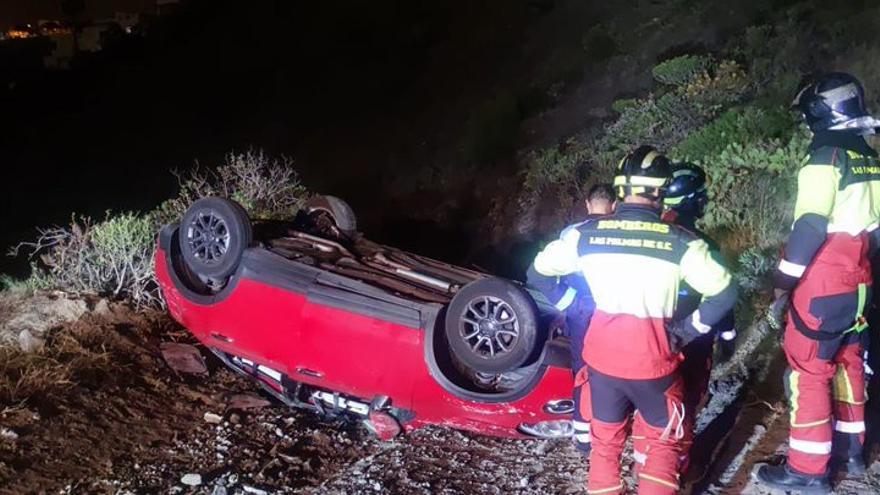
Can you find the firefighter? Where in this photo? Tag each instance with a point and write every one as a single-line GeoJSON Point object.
{"type": "Point", "coordinates": [571, 296]}
{"type": "Point", "coordinates": [685, 202]}
{"type": "Point", "coordinates": [633, 264]}
{"type": "Point", "coordinates": [825, 266]}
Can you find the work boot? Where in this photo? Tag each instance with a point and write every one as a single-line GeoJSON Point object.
{"type": "Point", "coordinates": [783, 477]}
{"type": "Point", "coordinates": [854, 465]}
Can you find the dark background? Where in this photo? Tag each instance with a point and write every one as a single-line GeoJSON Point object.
{"type": "Point", "coordinates": [359, 92]}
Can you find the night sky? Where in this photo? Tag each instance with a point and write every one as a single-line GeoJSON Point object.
{"type": "Point", "coordinates": [22, 11]}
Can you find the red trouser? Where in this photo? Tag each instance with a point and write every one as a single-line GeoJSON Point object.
{"type": "Point", "coordinates": [827, 380]}
{"type": "Point", "coordinates": [660, 417]}
{"type": "Point", "coordinates": [827, 398]}
{"type": "Point", "coordinates": [583, 412]}
{"type": "Point", "coordinates": [695, 372]}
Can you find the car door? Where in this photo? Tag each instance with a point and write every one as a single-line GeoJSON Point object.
{"type": "Point", "coordinates": [359, 340]}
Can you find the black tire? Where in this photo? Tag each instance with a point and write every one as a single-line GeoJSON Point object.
{"type": "Point", "coordinates": [338, 210]}
{"type": "Point", "coordinates": [491, 326]}
{"type": "Point", "coordinates": [213, 235]}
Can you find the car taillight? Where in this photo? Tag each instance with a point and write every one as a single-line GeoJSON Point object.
{"type": "Point", "coordinates": [557, 428]}
{"type": "Point", "coordinates": [383, 424]}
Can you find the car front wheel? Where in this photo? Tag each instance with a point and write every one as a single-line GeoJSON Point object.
{"type": "Point", "coordinates": [491, 326]}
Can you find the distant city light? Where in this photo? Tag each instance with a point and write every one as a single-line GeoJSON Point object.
{"type": "Point", "coordinates": [17, 34]}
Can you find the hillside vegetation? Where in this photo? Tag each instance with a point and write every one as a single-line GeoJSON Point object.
{"type": "Point", "coordinates": [728, 111]}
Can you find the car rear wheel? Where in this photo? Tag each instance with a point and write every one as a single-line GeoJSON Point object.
{"type": "Point", "coordinates": [491, 326]}
{"type": "Point", "coordinates": [213, 235]}
{"type": "Point", "coordinates": [337, 211]}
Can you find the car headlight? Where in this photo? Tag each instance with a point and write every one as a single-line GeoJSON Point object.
{"type": "Point", "coordinates": [557, 428]}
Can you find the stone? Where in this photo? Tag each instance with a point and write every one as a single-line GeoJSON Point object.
{"type": "Point", "coordinates": [213, 418]}
{"type": "Point", "coordinates": [191, 479]}
{"type": "Point", "coordinates": [8, 434]}
{"type": "Point", "coordinates": [102, 308]}
{"type": "Point", "coordinates": [28, 343]}
{"type": "Point", "coordinates": [184, 358]}
{"type": "Point", "coordinates": [247, 401]}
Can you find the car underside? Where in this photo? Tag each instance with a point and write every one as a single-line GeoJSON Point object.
{"type": "Point", "coordinates": [329, 321]}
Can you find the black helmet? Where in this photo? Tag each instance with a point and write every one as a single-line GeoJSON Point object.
{"type": "Point", "coordinates": [687, 191]}
{"type": "Point", "coordinates": [835, 102]}
{"type": "Point", "coordinates": [642, 172]}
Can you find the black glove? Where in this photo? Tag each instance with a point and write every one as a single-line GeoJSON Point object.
{"type": "Point", "coordinates": [678, 332]}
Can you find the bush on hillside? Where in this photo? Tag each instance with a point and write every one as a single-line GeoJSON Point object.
{"type": "Point", "coordinates": [737, 125]}
{"type": "Point", "coordinates": [666, 120]}
{"type": "Point", "coordinates": [660, 122]}
{"type": "Point", "coordinates": [268, 188]}
{"type": "Point", "coordinates": [756, 265]}
{"type": "Point", "coordinates": [551, 167]}
{"type": "Point", "coordinates": [624, 104]}
{"type": "Point", "coordinates": [681, 70]}
{"type": "Point", "coordinates": [709, 93]}
{"type": "Point", "coordinates": [752, 190]}
{"type": "Point", "coordinates": [113, 258]}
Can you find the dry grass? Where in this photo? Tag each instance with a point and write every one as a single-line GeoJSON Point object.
{"type": "Point", "coordinates": [6, 306]}
{"type": "Point", "coordinates": [80, 356]}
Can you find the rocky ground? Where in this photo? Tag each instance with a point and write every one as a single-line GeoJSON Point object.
{"type": "Point", "coordinates": [89, 405]}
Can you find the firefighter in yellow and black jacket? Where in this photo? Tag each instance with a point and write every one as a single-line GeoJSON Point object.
{"type": "Point", "coordinates": [633, 264]}
{"type": "Point", "coordinates": [826, 266]}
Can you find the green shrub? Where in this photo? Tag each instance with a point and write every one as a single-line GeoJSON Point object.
{"type": "Point", "coordinates": [551, 167]}
{"type": "Point", "coordinates": [9, 283]}
{"type": "Point", "coordinates": [268, 188]}
{"type": "Point", "coordinates": [756, 265]}
{"type": "Point", "coordinates": [681, 70]}
{"type": "Point", "coordinates": [624, 104]}
{"type": "Point", "coordinates": [709, 93]}
{"type": "Point", "coordinates": [667, 120]}
{"type": "Point", "coordinates": [736, 125]}
{"type": "Point", "coordinates": [752, 190]}
{"type": "Point", "coordinates": [113, 258]}
{"type": "Point", "coordinates": [660, 122]}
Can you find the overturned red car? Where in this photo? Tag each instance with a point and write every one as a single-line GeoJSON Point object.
{"type": "Point", "coordinates": [329, 321]}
